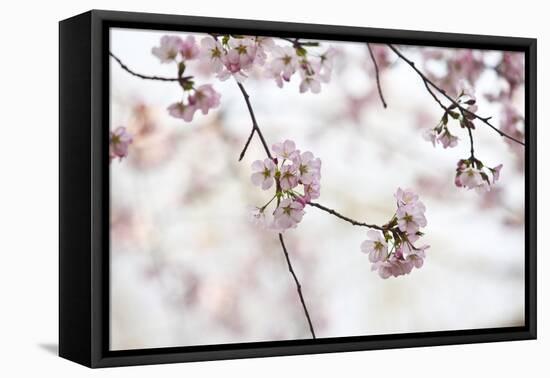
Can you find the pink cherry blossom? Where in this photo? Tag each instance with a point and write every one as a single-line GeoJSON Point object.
{"type": "Point", "coordinates": [246, 48]}
{"type": "Point", "coordinates": [417, 259]}
{"type": "Point", "coordinates": [169, 48]}
{"type": "Point", "coordinates": [119, 140]}
{"type": "Point", "coordinates": [447, 139]}
{"type": "Point", "coordinates": [286, 150]}
{"type": "Point", "coordinates": [233, 67]}
{"type": "Point", "coordinates": [289, 177]}
{"type": "Point", "coordinates": [283, 65]}
{"type": "Point", "coordinates": [496, 172]}
{"type": "Point", "coordinates": [326, 63]}
{"type": "Point", "coordinates": [376, 246]}
{"type": "Point", "coordinates": [441, 135]}
{"type": "Point", "coordinates": [211, 55]}
{"type": "Point", "coordinates": [297, 177]}
{"type": "Point", "coordinates": [394, 266]}
{"type": "Point", "coordinates": [403, 231]}
{"type": "Point", "coordinates": [310, 83]}
{"type": "Point", "coordinates": [205, 98]}
{"type": "Point", "coordinates": [288, 214]}
{"type": "Point", "coordinates": [308, 167]}
{"type": "Point", "coordinates": [183, 111]}
{"type": "Point", "coordinates": [263, 46]}
{"type": "Point", "coordinates": [472, 174]}
{"type": "Point", "coordinates": [311, 191]}
{"type": "Point", "coordinates": [238, 58]}
{"type": "Point", "coordinates": [431, 135]}
{"type": "Point", "coordinates": [411, 217]}
{"type": "Point", "coordinates": [264, 173]}
{"type": "Point", "coordinates": [405, 197]}
{"type": "Point", "coordinates": [470, 178]}
{"type": "Point", "coordinates": [408, 248]}
{"type": "Point", "coordinates": [401, 263]}
{"type": "Point", "coordinates": [410, 212]}
{"type": "Point", "coordinates": [189, 49]}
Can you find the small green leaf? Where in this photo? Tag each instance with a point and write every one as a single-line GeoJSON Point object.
{"type": "Point", "coordinates": [300, 51]}
{"type": "Point", "coordinates": [181, 69]}
{"type": "Point", "coordinates": [187, 84]}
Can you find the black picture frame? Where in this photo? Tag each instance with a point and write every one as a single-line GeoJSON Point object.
{"type": "Point", "coordinates": [84, 189]}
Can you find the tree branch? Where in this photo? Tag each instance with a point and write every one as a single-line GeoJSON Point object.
{"type": "Point", "coordinates": [298, 286]}
{"type": "Point", "coordinates": [376, 70]}
{"type": "Point", "coordinates": [255, 128]}
{"type": "Point", "coordinates": [347, 219]}
{"type": "Point", "coordinates": [428, 83]}
{"type": "Point", "coordinates": [146, 77]}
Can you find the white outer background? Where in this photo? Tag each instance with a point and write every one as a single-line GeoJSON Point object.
{"type": "Point", "coordinates": [29, 190]}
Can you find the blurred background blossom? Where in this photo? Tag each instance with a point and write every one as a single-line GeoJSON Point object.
{"type": "Point", "coordinates": [187, 266]}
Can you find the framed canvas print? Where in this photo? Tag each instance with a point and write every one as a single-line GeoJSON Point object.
{"type": "Point", "coordinates": [235, 188]}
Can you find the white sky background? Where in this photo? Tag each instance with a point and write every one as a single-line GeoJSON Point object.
{"type": "Point", "coordinates": [199, 273]}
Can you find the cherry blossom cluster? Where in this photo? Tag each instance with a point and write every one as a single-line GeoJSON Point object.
{"type": "Point", "coordinates": [238, 56]}
{"type": "Point", "coordinates": [473, 174]}
{"type": "Point", "coordinates": [296, 177]}
{"type": "Point", "coordinates": [228, 56]}
{"type": "Point", "coordinates": [181, 51]}
{"type": "Point", "coordinates": [466, 65]}
{"type": "Point", "coordinates": [441, 133]}
{"type": "Point", "coordinates": [391, 249]}
{"type": "Point", "coordinates": [313, 70]}
{"type": "Point", "coordinates": [119, 140]}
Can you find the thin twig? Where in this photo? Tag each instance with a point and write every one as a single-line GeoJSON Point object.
{"type": "Point", "coordinates": [347, 219]}
{"type": "Point", "coordinates": [472, 157]}
{"type": "Point", "coordinates": [470, 136]}
{"type": "Point", "coordinates": [146, 77]}
{"type": "Point", "coordinates": [435, 97]}
{"type": "Point", "coordinates": [376, 70]}
{"type": "Point", "coordinates": [298, 286]}
{"type": "Point", "coordinates": [255, 128]}
{"type": "Point", "coordinates": [428, 82]}
{"type": "Point", "coordinates": [294, 41]}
